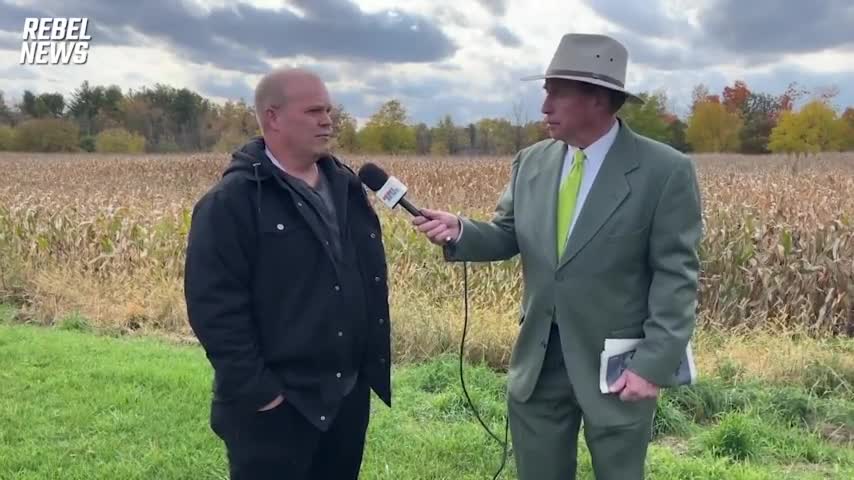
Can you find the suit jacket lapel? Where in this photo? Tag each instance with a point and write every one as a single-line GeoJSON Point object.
{"type": "Point", "coordinates": [609, 190]}
{"type": "Point", "coordinates": [545, 184]}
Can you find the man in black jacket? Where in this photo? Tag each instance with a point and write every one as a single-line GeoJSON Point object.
{"type": "Point", "coordinates": [286, 290]}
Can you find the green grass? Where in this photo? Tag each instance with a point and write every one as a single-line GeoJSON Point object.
{"type": "Point", "coordinates": [76, 405]}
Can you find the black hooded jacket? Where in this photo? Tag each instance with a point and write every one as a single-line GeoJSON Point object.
{"type": "Point", "coordinates": [274, 309]}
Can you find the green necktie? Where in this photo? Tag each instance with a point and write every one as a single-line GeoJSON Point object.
{"type": "Point", "coordinates": [566, 200]}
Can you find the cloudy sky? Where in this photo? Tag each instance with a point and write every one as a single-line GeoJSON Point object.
{"type": "Point", "coordinates": [460, 57]}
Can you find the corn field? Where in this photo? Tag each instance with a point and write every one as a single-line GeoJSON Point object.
{"type": "Point", "coordinates": [103, 236]}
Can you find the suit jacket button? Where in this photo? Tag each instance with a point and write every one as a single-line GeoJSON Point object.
{"type": "Point", "coordinates": [373, 235]}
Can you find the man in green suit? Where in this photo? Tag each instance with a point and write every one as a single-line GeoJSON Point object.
{"type": "Point", "coordinates": [607, 223]}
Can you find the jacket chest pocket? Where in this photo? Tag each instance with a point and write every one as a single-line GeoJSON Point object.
{"type": "Point", "coordinates": [286, 243]}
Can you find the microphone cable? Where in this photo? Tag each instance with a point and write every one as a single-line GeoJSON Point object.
{"type": "Point", "coordinates": [463, 381]}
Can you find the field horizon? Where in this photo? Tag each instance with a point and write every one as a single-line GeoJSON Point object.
{"type": "Point", "coordinates": [92, 248]}
{"type": "Point", "coordinates": [103, 237]}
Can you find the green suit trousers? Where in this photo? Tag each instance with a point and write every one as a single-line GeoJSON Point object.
{"type": "Point", "coordinates": [545, 431]}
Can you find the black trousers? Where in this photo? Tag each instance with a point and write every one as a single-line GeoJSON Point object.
{"type": "Point", "coordinates": [280, 444]}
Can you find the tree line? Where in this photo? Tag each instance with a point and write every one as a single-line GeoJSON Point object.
{"type": "Point", "coordinates": [164, 119]}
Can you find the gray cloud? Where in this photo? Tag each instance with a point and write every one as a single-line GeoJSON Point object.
{"type": "Point", "coordinates": [428, 98]}
{"type": "Point", "coordinates": [17, 73]}
{"type": "Point", "coordinates": [381, 37]}
{"type": "Point", "coordinates": [647, 18]}
{"type": "Point", "coordinates": [495, 7]}
{"type": "Point", "coordinates": [10, 41]}
{"type": "Point", "coordinates": [667, 56]}
{"type": "Point", "coordinates": [778, 26]}
{"type": "Point", "coordinates": [446, 15]}
{"type": "Point", "coordinates": [238, 37]}
{"type": "Point", "coordinates": [464, 109]}
{"type": "Point", "coordinates": [730, 31]}
{"type": "Point", "coordinates": [505, 36]}
{"type": "Point", "coordinates": [233, 90]}
{"type": "Point", "coordinates": [652, 37]}
{"type": "Point", "coordinates": [12, 17]}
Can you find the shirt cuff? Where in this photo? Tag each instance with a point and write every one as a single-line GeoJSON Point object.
{"type": "Point", "coordinates": [459, 235]}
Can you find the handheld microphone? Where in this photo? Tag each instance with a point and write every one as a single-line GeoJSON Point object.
{"type": "Point", "coordinates": [389, 190]}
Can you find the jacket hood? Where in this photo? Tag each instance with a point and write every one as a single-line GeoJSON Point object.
{"type": "Point", "coordinates": [252, 156]}
{"type": "Point", "coordinates": [252, 162]}
{"type": "Point", "coordinates": [250, 159]}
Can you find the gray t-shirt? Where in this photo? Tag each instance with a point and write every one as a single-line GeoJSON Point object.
{"type": "Point", "coordinates": [324, 204]}
{"type": "Point", "coordinates": [321, 199]}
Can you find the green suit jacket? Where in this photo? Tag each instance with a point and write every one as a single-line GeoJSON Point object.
{"type": "Point", "coordinates": [630, 268]}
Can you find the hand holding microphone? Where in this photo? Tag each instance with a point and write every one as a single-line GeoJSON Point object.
{"type": "Point", "coordinates": [439, 227]}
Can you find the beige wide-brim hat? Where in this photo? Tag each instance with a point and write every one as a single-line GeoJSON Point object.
{"type": "Point", "coordinates": [591, 58]}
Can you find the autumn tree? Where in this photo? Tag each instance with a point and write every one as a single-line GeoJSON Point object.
{"type": "Point", "coordinates": [815, 128]}
{"type": "Point", "coordinates": [535, 131]}
{"type": "Point", "coordinates": [712, 128]}
{"type": "Point", "coordinates": [95, 108]}
{"type": "Point", "coordinates": [735, 97]}
{"type": "Point", "coordinates": [46, 105]}
{"type": "Point", "coordinates": [230, 126]}
{"type": "Point", "coordinates": [699, 94]}
{"type": "Point", "coordinates": [119, 140]}
{"type": "Point", "coordinates": [648, 118]}
{"type": "Point", "coordinates": [47, 135]}
{"type": "Point", "coordinates": [848, 118]}
{"type": "Point", "coordinates": [494, 136]}
{"type": "Point", "coordinates": [5, 113]}
{"type": "Point", "coordinates": [790, 96]}
{"type": "Point", "coordinates": [344, 129]}
{"type": "Point", "coordinates": [387, 131]}
{"type": "Point", "coordinates": [676, 132]}
{"type": "Point", "coordinates": [759, 111]}
{"type": "Point", "coordinates": [443, 137]}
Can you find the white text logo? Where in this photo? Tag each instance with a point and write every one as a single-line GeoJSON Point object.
{"type": "Point", "coordinates": [55, 41]}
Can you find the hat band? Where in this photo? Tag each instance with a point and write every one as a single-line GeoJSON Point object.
{"type": "Point", "coordinates": [578, 73]}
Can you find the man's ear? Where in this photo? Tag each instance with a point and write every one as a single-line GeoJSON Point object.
{"type": "Point", "coordinates": [269, 117]}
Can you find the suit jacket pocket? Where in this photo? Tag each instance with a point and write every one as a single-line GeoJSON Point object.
{"type": "Point", "coordinates": [619, 234]}
{"type": "Point", "coordinates": [634, 331]}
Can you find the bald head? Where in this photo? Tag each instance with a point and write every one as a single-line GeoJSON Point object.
{"type": "Point", "coordinates": [274, 89]}
{"type": "Point", "coordinates": [294, 110]}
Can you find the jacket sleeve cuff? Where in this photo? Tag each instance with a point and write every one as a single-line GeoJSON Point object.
{"type": "Point", "coordinates": [657, 369]}
{"type": "Point", "coordinates": [450, 248]}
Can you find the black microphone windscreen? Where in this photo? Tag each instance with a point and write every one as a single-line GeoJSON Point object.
{"type": "Point", "coordinates": [373, 176]}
